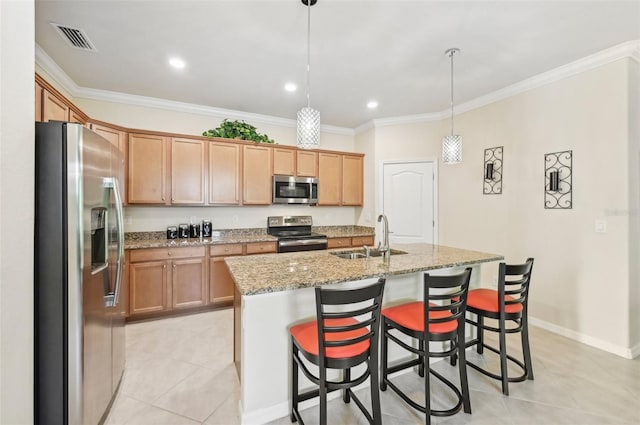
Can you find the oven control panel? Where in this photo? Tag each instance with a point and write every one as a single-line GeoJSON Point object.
{"type": "Point", "coordinates": [289, 220]}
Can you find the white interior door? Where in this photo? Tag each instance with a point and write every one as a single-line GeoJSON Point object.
{"type": "Point", "coordinates": [408, 201]}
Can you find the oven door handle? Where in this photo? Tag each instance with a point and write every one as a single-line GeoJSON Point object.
{"type": "Point", "coordinates": [302, 242]}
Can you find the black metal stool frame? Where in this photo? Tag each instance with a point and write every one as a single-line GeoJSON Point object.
{"type": "Point", "coordinates": [520, 294]}
{"type": "Point", "coordinates": [332, 297]}
{"type": "Point", "coordinates": [453, 302]}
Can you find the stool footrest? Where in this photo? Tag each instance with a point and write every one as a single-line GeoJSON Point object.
{"type": "Point", "coordinates": [444, 412]}
{"type": "Point", "coordinates": [520, 378]}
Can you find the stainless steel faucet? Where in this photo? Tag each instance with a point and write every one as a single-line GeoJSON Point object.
{"type": "Point", "coordinates": [383, 246]}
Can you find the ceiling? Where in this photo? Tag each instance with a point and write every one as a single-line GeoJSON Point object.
{"type": "Point", "coordinates": [240, 53]}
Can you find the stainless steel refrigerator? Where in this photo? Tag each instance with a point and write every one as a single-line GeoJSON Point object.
{"type": "Point", "coordinates": [79, 260]}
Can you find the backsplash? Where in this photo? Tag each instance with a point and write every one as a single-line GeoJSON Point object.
{"type": "Point", "coordinates": [149, 219]}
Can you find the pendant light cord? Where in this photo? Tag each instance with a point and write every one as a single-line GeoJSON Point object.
{"type": "Point", "coordinates": [308, 53]}
{"type": "Point", "coordinates": [451, 56]}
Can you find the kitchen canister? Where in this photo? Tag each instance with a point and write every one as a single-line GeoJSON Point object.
{"type": "Point", "coordinates": [172, 232]}
{"type": "Point", "coordinates": [194, 230]}
{"type": "Point", "coordinates": [183, 231]}
{"type": "Point", "coordinates": [206, 228]}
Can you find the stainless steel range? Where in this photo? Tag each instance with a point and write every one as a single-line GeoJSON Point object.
{"type": "Point", "coordinates": [294, 233]}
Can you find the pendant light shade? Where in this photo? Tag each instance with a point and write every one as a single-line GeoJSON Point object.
{"type": "Point", "coordinates": [308, 120]}
{"type": "Point", "coordinates": [452, 144]}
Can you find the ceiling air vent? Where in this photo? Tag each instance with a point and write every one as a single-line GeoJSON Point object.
{"type": "Point", "coordinates": [75, 37]}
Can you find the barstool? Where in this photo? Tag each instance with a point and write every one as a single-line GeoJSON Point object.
{"type": "Point", "coordinates": [439, 318]}
{"type": "Point", "coordinates": [508, 303]}
{"type": "Point", "coordinates": [346, 338]}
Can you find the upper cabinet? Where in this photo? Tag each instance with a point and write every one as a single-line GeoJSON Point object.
{"type": "Point", "coordinates": [352, 180]}
{"type": "Point", "coordinates": [54, 108]}
{"type": "Point", "coordinates": [256, 175]}
{"type": "Point", "coordinates": [284, 161]}
{"type": "Point", "coordinates": [340, 179]}
{"type": "Point", "coordinates": [116, 137]}
{"type": "Point", "coordinates": [225, 172]}
{"type": "Point", "coordinates": [39, 94]}
{"type": "Point", "coordinates": [147, 183]}
{"type": "Point", "coordinates": [50, 105]}
{"type": "Point", "coordinates": [329, 178]}
{"type": "Point", "coordinates": [188, 171]}
{"type": "Point", "coordinates": [295, 162]}
{"type": "Point", "coordinates": [306, 163]}
{"type": "Point", "coordinates": [171, 169]}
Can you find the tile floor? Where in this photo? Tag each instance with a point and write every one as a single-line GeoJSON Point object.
{"type": "Point", "coordinates": [180, 371]}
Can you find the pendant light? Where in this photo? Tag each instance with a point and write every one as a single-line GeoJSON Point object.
{"type": "Point", "coordinates": [452, 144]}
{"type": "Point", "coordinates": [308, 118]}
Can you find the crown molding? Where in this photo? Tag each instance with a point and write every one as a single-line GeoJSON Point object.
{"type": "Point", "coordinates": [61, 77]}
{"type": "Point", "coordinates": [630, 49]}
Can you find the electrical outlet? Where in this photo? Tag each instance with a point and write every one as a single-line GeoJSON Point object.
{"type": "Point", "coordinates": [235, 218]}
{"type": "Point", "coordinates": [193, 219]}
{"type": "Point", "coordinates": [128, 219]}
{"type": "Point", "coordinates": [601, 226]}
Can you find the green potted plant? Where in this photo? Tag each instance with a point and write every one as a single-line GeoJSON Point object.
{"type": "Point", "coordinates": [238, 130]}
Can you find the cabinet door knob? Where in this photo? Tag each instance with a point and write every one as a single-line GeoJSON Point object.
{"type": "Point", "coordinates": [169, 253]}
{"type": "Point", "coordinates": [164, 266]}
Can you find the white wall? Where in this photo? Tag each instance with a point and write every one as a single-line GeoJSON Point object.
{"type": "Point", "coordinates": [16, 211]}
{"type": "Point", "coordinates": [575, 267]}
{"type": "Point", "coordinates": [365, 143]}
{"type": "Point", "coordinates": [634, 205]}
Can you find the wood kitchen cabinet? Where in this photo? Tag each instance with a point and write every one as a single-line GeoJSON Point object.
{"type": "Point", "coordinates": [261, 248]}
{"type": "Point", "coordinates": [329, 178]}
{"type": "Point", "coordinates": [39, 93]}
{"type": "Point", "coordinates": [225, 173]}
{"type": "Point", "coordinates": [163, 279]}
{"type": "Point", "coordinates": [148, 165]}
{"type": "Point", "coordinates": [295, 162]}
{"type": "Point", "coordinates": [221, 286]}
{"type": "Point", "coordinates": [256, 175]}
{"type": "Point", "coordinates": [362, 241]}
{"type": "Point", "coordinates": [338, 243]}
{"type": "Point", "coordinates": [188, 171]}
{"type": "Point", "coordinates": [352, 180]}
{"type": "Point", "coordinates": [116, 137]}
{"type": "Point", "coordinates": [148, 288]}
{"type": "Point", "coordinates": [284, 161]}
{"type": "Point", "coordinates": [188, 282]}
{"type": "Point", "coordinates": [306, 163]}
{"type": "Point", "coordinates": [76, 117]}
{"type": "Point", "coordinates": [53, 108]}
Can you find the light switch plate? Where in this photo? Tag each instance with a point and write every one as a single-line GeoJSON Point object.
{"type": "Point", "coordinates": [601, 226]}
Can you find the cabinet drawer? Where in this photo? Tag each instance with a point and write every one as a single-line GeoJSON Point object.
{"type": "Point", "coordinates": [362, 240]}
{"type": "Point", "coordinates": [224, 250]}
{"type": "Point", "coordinates": [152, 254]}
{"type": "Point", "coordinates": [261, 247]}
{"type": "Point", "coordinates": [338, 243]}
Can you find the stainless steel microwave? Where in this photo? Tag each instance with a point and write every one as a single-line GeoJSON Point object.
{"type": "Point", "coordinates": [295, 190]}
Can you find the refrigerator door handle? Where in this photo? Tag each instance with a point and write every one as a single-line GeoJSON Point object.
{"type": "Point", "coordinates": [112, 183]}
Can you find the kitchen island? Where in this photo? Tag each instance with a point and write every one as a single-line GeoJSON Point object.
{"type": "Point", "coordinates": [274, 291]}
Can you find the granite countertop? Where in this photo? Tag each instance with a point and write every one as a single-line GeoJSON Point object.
{"type": "Point", "coordinates": [140, 240]}
{"type": "Point", "coordinates": [281, 272]}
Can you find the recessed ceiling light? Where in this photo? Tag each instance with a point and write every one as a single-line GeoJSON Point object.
{"type": "Point", "coordinates": [372, 104]}
{"type": "Point", "coordinates": [177, 63]}
{"type": "Point", "coordinates": [290, 87]}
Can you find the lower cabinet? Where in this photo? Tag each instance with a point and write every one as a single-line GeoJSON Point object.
{"type": "Point", "coordinates": [347, 242]}
{"type": "Point", "coordinates": [164, 279]}
{"type": "Point", "coordinates": [148, 289]}
{"type": "Point", "coordinates": [221, 287]}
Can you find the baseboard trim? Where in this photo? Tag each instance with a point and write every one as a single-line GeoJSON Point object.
{"type": "Point", "coordinates": [625, 352]}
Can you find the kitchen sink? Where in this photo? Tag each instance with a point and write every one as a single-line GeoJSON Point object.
{"type": "Point", "coordinates": [360, 253]}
